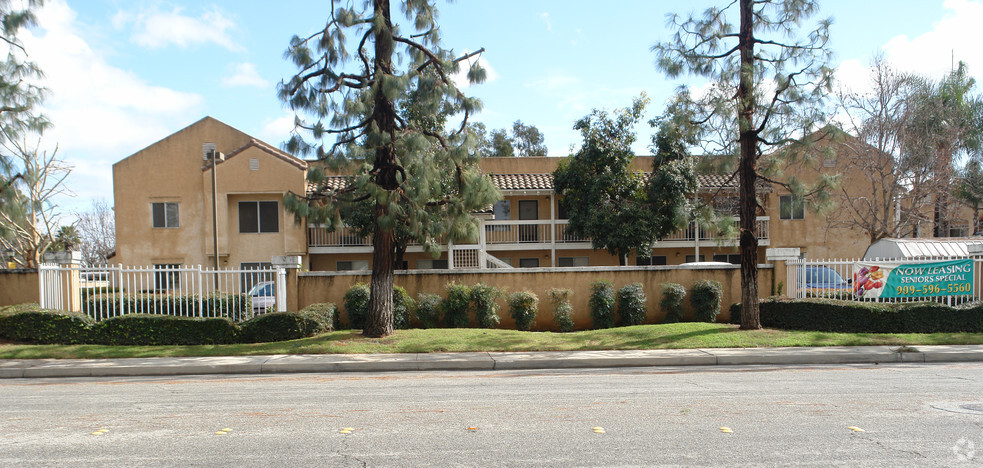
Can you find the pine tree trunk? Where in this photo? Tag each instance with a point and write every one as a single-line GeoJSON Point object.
{"type": "Point", "coordinates": [379, 319]}
{"type": "Point", "coordinates": [747, 172]}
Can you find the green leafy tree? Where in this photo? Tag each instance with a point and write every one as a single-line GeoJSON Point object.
{"type": "Point", "coordinates": [528, 140]}
{"type": "Point", "coordinates": [604, 198]}
{"type": "Point", "coordinates": [414, 176]}
{"type": "Point", "coordinates": [946, 123]}
{"type": "Point", "coordinates": [525, 140]}
{"type": "Point", "coordinates": [969, 189]}
{"type": "Point", "coordinates": [766, 83]}
{"type": "Point", "coordinates": [501, 144]}
{"type": "Point", "coordinates": [610, 203]}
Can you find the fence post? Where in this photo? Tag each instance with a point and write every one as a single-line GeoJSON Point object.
{"type": "Point", "coordinates": [201, 293]}
{"type": "Point", "coordinates": [69, 262]}
{"type": "Point", "coordinates": [41, 289]}
{"type": "Point", "coordinates": [286, 279]}
{"type": "Point", "coordinates": [782, 258]}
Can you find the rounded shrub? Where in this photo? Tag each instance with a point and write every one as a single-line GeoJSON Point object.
{"type": "Point", "coordinates": [601, 304]}
{"type": "Point", "coordinates": [562, 310]}
{"type": "Point", "coordinates": [484, 298]}
{"type": "Point", "coordinates": [631, 304]}
{"type": "Point", "coordinates": [523, 306]}
{"type": "Point", "coordinates": [705, 298]}
{"type": "Point", "coordinates": [163, 330]}
{"type": "Point", "coordinates": [403, 306]}
{"type": "Point", "coordinates": [735, 313]}
{"type": "Point", "coordinates": [356, 301]}
{"type": "Point", "coordinates": [284, 326]}
{"type": "Point", "coordinates": [428, 310]}
{"type": "Point", "coordinates": [29, 323]}
{"type": "Point", "coordinates": [455, 307]}
{"type": "Point", "coordinates": [672, 302]}
{"type": "Point", "coordinates": [324, 312]}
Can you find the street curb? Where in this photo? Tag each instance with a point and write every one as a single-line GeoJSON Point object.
{"type": "Point", "coordinates": [483, 361]}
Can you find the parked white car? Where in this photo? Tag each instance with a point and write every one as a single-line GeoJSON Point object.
{"type": "Point", "coordinates": [263, 297]}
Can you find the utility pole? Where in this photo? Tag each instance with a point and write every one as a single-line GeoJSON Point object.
{"type": "Point", "coordinates": [212, 154]}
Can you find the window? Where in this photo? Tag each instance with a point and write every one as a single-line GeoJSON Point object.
{"type": "Point", "coordinates": [503, 209]}
{"type": "Point", "coordinates": [428, 264]}
{"type": "Point", "coordinates": [572, 262]}
{"type": "Point", "coordinates": [259, 216]}
{"type": "Point", "coordinates": [653, 260]}
{"type": "Point", "coordinates": [165, 215]}
{"type": "Point", "coordinates": [791, 207]}
{"type": "Point", "coordinates": [166, 276]}
{"type": "Point", "coordinates": [959, 230]}
{"type": "Point", "coordinates": [728, 258]}
{"type": "Point", "coordinates": [528, 263]}
{"type": "Point", "coordinates": [692, 258]}
{"type": "Point", "coordinates": [247, 280]}
{"type": "Point", "coordinates": [352, 265]}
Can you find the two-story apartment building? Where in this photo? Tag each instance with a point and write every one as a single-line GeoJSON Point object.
{"type": "Point", "coordinates": [163, 197]}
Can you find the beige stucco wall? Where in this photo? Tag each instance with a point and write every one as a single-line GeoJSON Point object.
{"type": "Point", "coordinates": [19, 287]}
{"type": "Point", "coordinates": [172, 170]}
{"type": "Point", "coordinates": [317, 287]}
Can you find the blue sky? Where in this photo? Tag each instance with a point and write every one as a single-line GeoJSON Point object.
{"type": "Point", "coordinates": [124, 74]}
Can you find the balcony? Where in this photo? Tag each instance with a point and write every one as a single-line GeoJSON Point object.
{"type": "Point", "coordinates": [518, 235]}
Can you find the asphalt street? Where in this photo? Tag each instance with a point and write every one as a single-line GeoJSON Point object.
{"type": "Point", "coordinates": [841, 415]}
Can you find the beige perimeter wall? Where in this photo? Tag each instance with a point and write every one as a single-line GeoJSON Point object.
{"type": "Point", "coordinates": [317, 287]}
{"type": "Point", "coordinates": [19, 287]}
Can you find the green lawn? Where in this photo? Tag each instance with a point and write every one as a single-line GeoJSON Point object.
{"type": "Point", "coordinates": [671, 336]}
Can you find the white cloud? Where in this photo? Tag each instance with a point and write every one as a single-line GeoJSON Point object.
{"type": "Point", "coordinates": [546, 19]}
{"type": "Point", "coordinates": [276, 131]}
{"type": "Point", "coordinates": [245, 75]}
{"type": "Point", "coordinates": [158, 29]}
{"type": "Point", "coordinates": [956, 35]}
{"type": "Point", "coordinates": [461, 77]}
{"type": "Point", "coordinates": [100, 113]}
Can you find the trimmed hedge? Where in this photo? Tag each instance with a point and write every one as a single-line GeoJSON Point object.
{"type": "Point", "coordinates": [631, 305]}
{"type": "Point", "coordinates": [705, 298]}
{"type": "Point", "coordinates": [284, 326]}
{"type": "Point", "coordinates": [562, 310]}
{"type": "Point", "coordinates": [403, 306]}
{"type": "Point", "coordinates": [154, 330]}
{"type": "Point", "coordinates": [484, 298]}
{"type": "Point", "coordinates": [601, 304]}
{"type": "Point", "coordinates": [428, 310]}
{"type": "Point", "coordinates": [523, 306]}
{"type": "Point", "coordinates": [356, 301]}
{"type": "Point", "coordinates": [833, 315]}
{"type": "Point", "coordinates": [672, 302]}
{"type": "Point", "coordinates": [455, 307]}
{"type": "Point", "coordinates": [29, 323]}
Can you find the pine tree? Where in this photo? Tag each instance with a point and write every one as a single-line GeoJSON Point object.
{"type": "Point", "coordinates": [419, 181]}
{"type": "Point", "coordinates": [764, 94]}
{"type": "Point", "coordinates": [19, 93]}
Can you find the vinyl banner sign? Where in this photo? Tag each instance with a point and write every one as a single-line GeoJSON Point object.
{"type": "Point", "coordinates": [872, 280]}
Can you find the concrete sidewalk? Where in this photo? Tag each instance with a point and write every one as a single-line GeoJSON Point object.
{"type": "Point", "coordinates": [319, 363]}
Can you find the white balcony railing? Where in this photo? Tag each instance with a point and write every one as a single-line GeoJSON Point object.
{"type": "Point", "coordinates": [761, 231]}
{"type": "Point", "coordinates": [345, 237]}
{"type": "Point", "coordinates": [518, 232]}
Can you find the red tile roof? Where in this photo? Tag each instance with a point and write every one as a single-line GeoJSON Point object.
{"type": "Point", "coordinates": [510, 182]}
